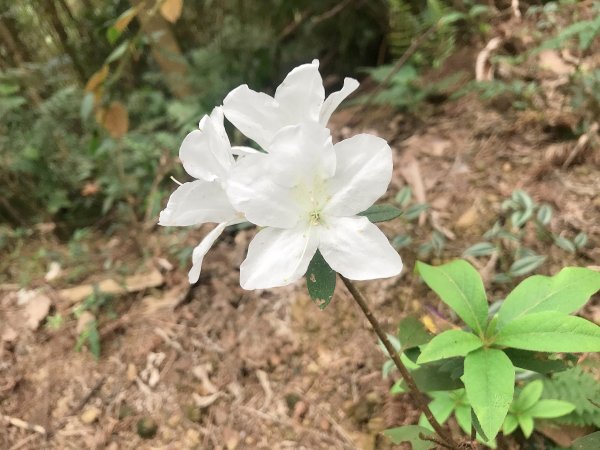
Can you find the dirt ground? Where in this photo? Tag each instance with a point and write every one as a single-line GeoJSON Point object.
{"type": "Point", "coordinates": [218, 367]}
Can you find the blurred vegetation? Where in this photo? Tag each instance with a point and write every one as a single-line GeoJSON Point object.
{"type": "Point", "coordinates": [95, 96]}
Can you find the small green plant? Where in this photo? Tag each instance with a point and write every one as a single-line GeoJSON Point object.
{"type": "Point", "coordinates": [529, 406]}
{"type": "Point", "coordinates": [90, 337]}
{"type": "Point", "coordinates": [506, 237]}
{"type": "Point", "coordinates": [531, 326]}
{"type": "Point", "coordinates": [54, 322]}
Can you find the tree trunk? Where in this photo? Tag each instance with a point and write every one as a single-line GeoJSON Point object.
{"type": "Point", "coordinates": [16, 53]}
{"type": "Point", "coordinates": [66, 44]}
{"type": "Point", "coordinates": [165, 49]}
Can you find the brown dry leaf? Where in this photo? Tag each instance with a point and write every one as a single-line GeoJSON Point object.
{"type": "Point", "coordinates": [116, 120]}
{"type": "Point", "coordinates": [171, 9]}
{"type": "Point", "coordinates": [90, 188]}
{"type": "Point", "coordinates": [36, 310]}
{"type": "Point", "coordinates": [551, 60]}
{"type": "Point", "coordinates": [124, 19]}
{"type": "Point", "coordinates": [411, 172]}
{"type": "Point", "coordinates": [97, 79]}
{"type": "Point", "coordinates": [130, 284]}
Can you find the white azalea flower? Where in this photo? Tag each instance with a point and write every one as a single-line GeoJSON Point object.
{"type": "Point", "coordinates": [300, 98]}
{"type": "Point", "coordinates": [307, 192]}
{"type": "Point", "coordinates": [206, 155]}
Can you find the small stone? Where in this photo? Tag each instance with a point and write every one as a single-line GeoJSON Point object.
{"type": "Point", "coordinates": [146, 428]}
{"type": "Point", "coordinates": [192, 436]}
{"type": "Point", "coordinates": [300, 410]}
{"type": "Point", "coordinates": [468, 219]}
{"type": "Point", "coordinates": [174, 420]}
{"type": "Point", "coordinates": [90, 415]}
{"type": "Point", "coordinates": [131, 372]}
{"type": "Point", "coordinates": [324, 424]}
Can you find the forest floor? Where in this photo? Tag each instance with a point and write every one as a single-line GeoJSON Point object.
{"type": "Point", "coordinates": [214, 366]}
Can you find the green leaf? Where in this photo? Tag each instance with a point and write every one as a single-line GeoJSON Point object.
{"type": "Point", "coordinates": [118, 52]}
{"type": "Point", "coordinates": [580, 240]}
{"type": "Point", "coordinates": [411, 433]}
{"type": "Point", "coordinates": [510, 424]}
{"type": "Point", "coordinates": [320, 281]}
{"type": "Point", "coordinates": [489, 381]}
{"type": "Point", "coordinates": [536, 361]}
{"type": "Point", "coordinates": [544, 214]}
{"type": "Point", "coordinates": [414, 211]}
{"type": "Point", "coordinates": [87, 104]}
{"type": "Point", "coordinates": [112, 34]}
{"type": "Point", "coordinates": [412, 333]}
{"type": "Point", "coordinates": [403, 196]}
{"type": "Point", "coordinates": [401, 241]}
{"type": "Point", "coordinates": [459, 285]}
{"type": "Point", "coordinates": [526, 424]}
{"type": "Point", "coordinates": [589, 442]}
{"type": "Point", "coordinates": [565, 244]}
{"type": "Point", "coordinates": [480, 249]}
{"type": "Point", "coordinates": [525, 265]}
{"type": "Point", "coordinates": [449, 344]}
{"type": "Point", "coordinates": [564, 292]}
{"type": "Point", "coordinates": [529, 396]}
{"type": "Point", "coordinates": [430, 378]}
{"type": "Point", "coordinates": [381, 213]}
{"type": "Point", "coordinates": [549, 409]}
{"type": "Point", "coordinates": [441, 407]}
{"type": "Point", "coordinates": [477, 426]}
{"type": "Point", "coordinates": [550, 331]}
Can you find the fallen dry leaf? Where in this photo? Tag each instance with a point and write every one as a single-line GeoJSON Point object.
{"type": "Point", "coordinates": [97, 79]}
{"type": "Point", "coordinates": [171, 9]}
{"type": "Point", "coordinates": [116, 120]}
{"type": "Point", "coordinates": [36, 310]}
{"type": "Point", "coordinates": [130, 284]}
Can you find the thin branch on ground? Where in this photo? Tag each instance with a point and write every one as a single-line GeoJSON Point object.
{"type": "Point", "coordinates": [414, 391]}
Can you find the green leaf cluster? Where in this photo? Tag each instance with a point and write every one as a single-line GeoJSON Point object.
{"type": "Point", "coordinates": [534, 318]}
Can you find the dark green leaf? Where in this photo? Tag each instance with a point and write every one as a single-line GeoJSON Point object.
{"type": "Point", "coordinates": [320, 281]}
{"type": "Point", "coordinates": [544, 214]}
{"type": "Point", "coordinates": [381, 213]}
{"type": "Point", "coordinates": [414, 211]}
{"type": "Point", "coordinates": [430, 378]}
{"type": "Point", "coordinates": [565, 292]}
{"type": "Point", "coordinates": [589, 442]}
{"type": "Point", "coordinates": [477, 426]}
{"type": "Point", "coordinates": [536, 361]}
{"type": "Point", "coordinates": [412, 333]}
{"type": "Point", "coordinates": [459, 285]}
{"type": "Point", "coordinates": [550, 331]}
{"type": "Point", "coordinates": [401, 241]}
{"type": "Point", "coordinates": [411, 433]}
{"type": "Point", "coordinates": [480, 249]}
{"type": "Point", "coordinates": [489, 380]}
{"type": "Point", "coordinates": [580, 240]}
{"type": "Point", "coordinates": [565, 244]}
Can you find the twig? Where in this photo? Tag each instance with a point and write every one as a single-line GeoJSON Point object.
{"type": "Point", "coordinates": [263, 378]}
{"type": "Point", "coordinates": [23, 442]}
{"type": "Point", "coordinates": [415, 393]}
{"type": "Point", "coordinates": [410, 51]}
{"type": "Point", "coordinates": [19, 423]}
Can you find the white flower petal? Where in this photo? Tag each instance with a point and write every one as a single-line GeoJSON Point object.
{"type": "Point", "coordinates": [357, 249]}
{"type": "Point", "coordinates": [252, 192]}
{"type": "Point", "coordinates": [241, 150]}
{"type": "Point", "coordinates": [301, 94]}
{"type": "Point", "coordinates": [202, 249]}
{"type": "Point", "coordinates": [363, 173]}
{"type": "Point", "coordinates": [335, 98]}
{"type": "Point", "coordinates": [278, 257]}
{"type": "Point", "coordinates": [301, 152]}
{"type": "Point", "coordinates": [197, 202]}
{"type": "Point", "coordinates": [206, 153]}
{"type": "Point", "coordinates": [255, 114]}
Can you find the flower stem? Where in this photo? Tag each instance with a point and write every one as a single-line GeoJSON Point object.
{"type": "Point", "coordinates": [415, 393]}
